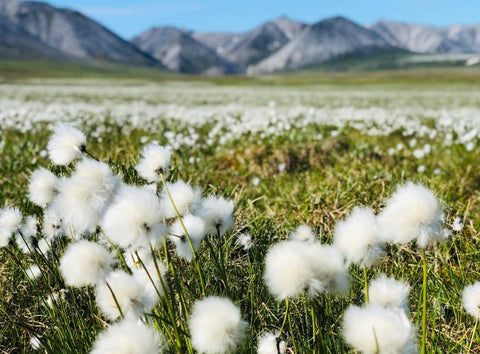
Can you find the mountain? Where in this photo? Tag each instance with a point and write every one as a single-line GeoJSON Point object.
{"type": "Point", "coordinates": [320, 42]}
{"type": "Point", "coordinates": [71, 34]}
{"type": "Point", "coordinates": [179, 51]}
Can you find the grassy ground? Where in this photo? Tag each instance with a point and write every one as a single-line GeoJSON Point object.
{"type": "Point", "coordinates": [320, 184]}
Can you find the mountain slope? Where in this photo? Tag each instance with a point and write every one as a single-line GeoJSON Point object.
{"type": "Point", "coordinates": [179, 51]}
{"type": "Point", "coordinates": [320, 42]}
{"type": "Point", "coordinates": [74, 34]}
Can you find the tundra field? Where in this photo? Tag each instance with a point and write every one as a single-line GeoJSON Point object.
{"type": "Point", "coordinates": [304, 149]}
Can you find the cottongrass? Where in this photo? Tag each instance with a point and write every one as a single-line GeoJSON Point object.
{"type": "Point", "coordinates": [195, 227]}
{"type": "Point", "coordinates": [388, 292]}
{"type": "Point", "coordinates": [66, 144]}
{"type": "Point", "coordinates": [216, 325]}
{"type": "Point", "coordinates": [154, 163]}
{"type": "Point", "coordinates": [303, 233]}
{"type": "Point", "coordinates": [129, 337]}
{"type": "Point", "coordinates": [269, 343]}
{"type": "Point", "coordinates": [10, 220]}
{"type": "Point", "coordinates": [185, 199]}
{"type": "Point", "coordinates": [217, 213]}
{"type": "Point", "coordinates": [471, 300]}
{"type": "Point", "coordinates": [42, 188]}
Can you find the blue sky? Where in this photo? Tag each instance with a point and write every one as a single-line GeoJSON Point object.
{"type": "Point", "coordinates": [130, 17]}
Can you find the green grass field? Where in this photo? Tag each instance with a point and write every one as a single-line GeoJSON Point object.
{"type": "Point", "coordinates": [313, 173]}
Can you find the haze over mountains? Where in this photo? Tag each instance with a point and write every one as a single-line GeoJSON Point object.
{"type": "Point", "coordinates": [30, 30]}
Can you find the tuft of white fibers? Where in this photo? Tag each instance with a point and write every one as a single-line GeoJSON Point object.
{"type": "Point", "coordinates": [375, 329]}
{"type": "Point", "coordinates": [154, 162]}
{"type": "Point", "coordinates": [35, 343]}
{"type": "Point", "coordinates": [388, 292]}
{"type": "Point", "coordinates": [84, 263]}
{"type": "Point", "coordinates": [133, 218]}
{"type": "Point", "coordinates": [412, 212]}
{"type": "Point", "coordinates": [217, 213]}
{"type": "Point", "coordinates": [216, 325]}
{"type": "Point", "coordinates": [471, 299]}
{"type": "Point", "coordinates": [33, 272]}
{"type": "Point", "coordinates": [10, 220]}
{"type": "Point", "coordinates": [358, 238]}
{"type": "Point", "coordinates": [128, 293]}
{"type": "Point", "coordinates": [52, 224]}
{"type": "Point", "coordinates": [295, 267]}
{"type": "Point", "coordinates": [245, 240]}
{"type": "Point", "coordinates": [457, 224]}
{"type": "Point", "coordinates": [303, 233]}
{"type": "Point", "coordinates": [195, 227]}
{"type": "Point", "coordinates": [42, 187]}
{"type": "Point", "coordinates": [83, 198]}
{"type": "Point", "coordinates": [26, 238]}
{"type": "Point", "coordinates": [66, 144]}
{"type": "Point", "coordinates": [185, 198]}
{"type": "Point", "coordinates": [151, 283]}
{"type": "Point", "coordinates": [127, 337]}
{"type": "Point", "coordinates": [269, 343]}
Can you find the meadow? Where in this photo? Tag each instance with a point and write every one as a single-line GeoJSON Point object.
{"type": "Point", "coordinates": [303, 149]}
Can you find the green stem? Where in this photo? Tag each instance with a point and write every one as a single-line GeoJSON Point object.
{"type": "Point", "coordinates": [284, 317]}
{"type": "Point", "coordinates": [473, 334]}
{"type": "Point", "coordinates": [365, 279]}
{"type": "Point", "coordinates": [424, 304]}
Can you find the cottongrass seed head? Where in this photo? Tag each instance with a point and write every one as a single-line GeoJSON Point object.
{"type": "Point", "coordinates": [216, 325]}
{"type": "Point", "coordinates": [388, 292]}
{"type": "Point", "coordinates": [375, 329]}
{"type": "Point", "coordinates": [155, 161]}
{"type": "Point", "coordinates": [471, 299]}
{"type": "Point", "coordinates": [195, 227]}
{"type": "Point", "coordinates": [303, 233]}
{"type": "Point", "coordinates": [358, 238]}
{"type": "Point", "coordinates": [245, 240]}
{"type": "Point", "coordinates": [186, 199]}
{"type": "Point", "coordinates": [42, 187]}
{"type": "Point", "coordinates": [26, 239]}
{"type": "Point", "coordinates": [66, 144]}
{"type": "Point", "coordinates": [84, 263]}
{"type": "Point", "coordinates": [269, 343]}
{"type": "Point", "coordinates": [33, 272]}
{"type": "Point", "coordinates": [129, 337]}
{"type": "Point", "coordinates": [412, 213]}
{"type": "Point", "coordinates": [10, 220]}
{"type": "Point", "coordinates": [217, 213]}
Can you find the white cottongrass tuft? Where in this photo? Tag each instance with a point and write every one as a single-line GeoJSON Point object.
{"type": "Point", "coordinates": [216, 325]}
{"type": "Point", "coordinates": [133, 218]}
{"type": "Point", "coordinates": [33, 272]}
{"type": "Point", "coordinates": [83, 198]}
{"type": "Point", "coordinates": [66, 144]}
{"type": "Point", "coordinates": [127, 337]}
{"type": "Point", "coordinates": [26, 237]}
{"type": "Point", "coordinates": [84, 263]}
{"type": "Point", "coordinates": [375, 329]}
{"type": "Point", "coordinates": [358, 238]}
{"type": "Point", "coordinates": [42, 187]}
{"type": "Point", "coordinates": [388, 292]}
{"type": "Point", "coordinates": [10, 220]}
{"type": "Point", "coordinates": [269, 343]}
{"type": "Point", "coordinates": [217, 213]}
{"type": "Point", "coordinates": [293, 267]}
{"type": "Point", "coordinates": [128, 293]}
{"type": "Point", "coordinates": [195, 227]}
{"type": "Point", "coordinates": [151, 283]}
{"type": "Point", "coordinates": [457, 224]}
{"type": "Point", "coordinates": [412, 213]}
{"type": "Point", "coordinates": [52, 224]}
{"type": "Point", "coordinates": [44, 246]}
{"type": "Point", "coordinates": [471, 299]}
{"type": "Point", "coordinates": [154, 162]}
{"type": "Point", "coordinates": [185, 198]}
{"type": "Point", "coordinates": [245, 241]}
{"type": "Point", "coordinates": [303, 233]}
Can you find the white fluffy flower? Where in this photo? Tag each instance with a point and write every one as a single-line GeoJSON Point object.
{"type": "Point", "coordinates": [42, 187]}
{"type": "Point", "coordinates": [388, 292]}
{"type": "Point", "coordinates": [216, 325]}
{"type": "Point", "coordinates": [151, 283]}
{"type": "Point", "coordinates": [358, 238]}
{"type": "Point", "coordinates": [457, 224]}
{"type": "Point", "coordinates": [26, 238]}
{"type": "Point", "coordinates": [133, 219]}
{"type": "Point", "coordinates": [269, 343]}
{"type": "Point", "coordinates": [217, 213]}
{"type": "Point", "coordinates": [128, 293]}
{"type": "Point", "coordinates": [44, 246]}
{"type": "Point", "coordinates": [245, 240]}
{"type": "Point", "coordinates": [375, 329]}
{"type": "Point", "coordinates": [185, 197]}
{"type": "Point", "coordinates": [127, 337]}
{"type": "Point", "coordinates": [195, 227]}
{"type": "Point", "coordinates": [303, 233]}
{"type": "Point", "coordinates": [154, 162]}
{"type": "Point", "coordinates": [66, 144]}
{"type": "Point", "coordinates": [413, 212]}
{"type": "Point", "coordinates": [84, 263]}
{"type": "Point", "coordinates": [33, 272]}
{"type": "Point", "coordinates": [471, 299]}
{"type": "Point", "coordinates": [10, 219]}
{"type": "Point", "coordinates": [293, 267]}
{"type": "Point", "coordinates": [52, 224]}
{"type": "Point", "coordinates": [83, 198]}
